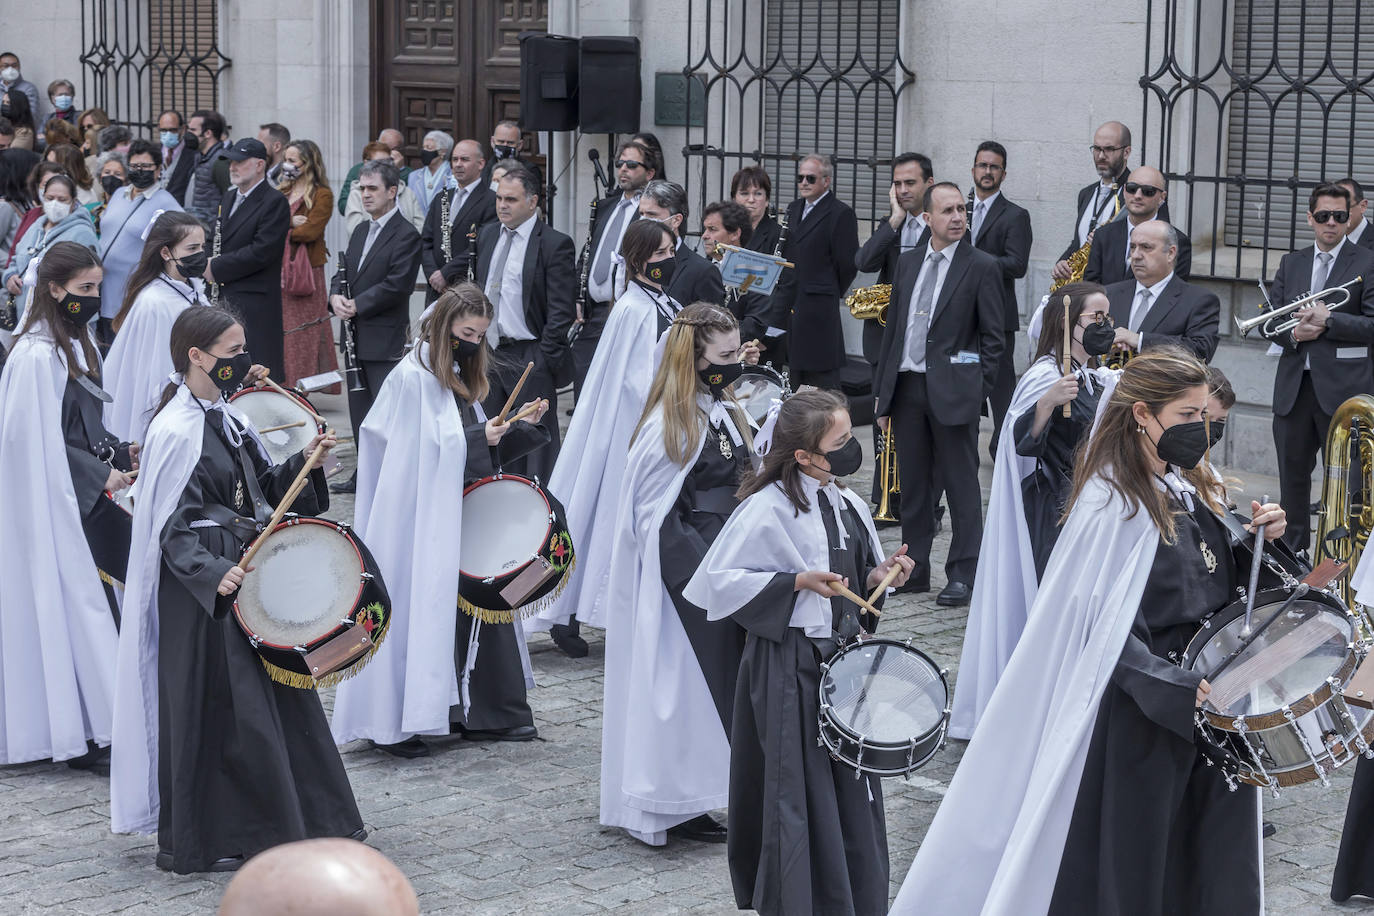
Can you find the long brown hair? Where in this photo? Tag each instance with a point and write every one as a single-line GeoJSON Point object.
{"type": "Point", "coordinates": [199, 328]}
{"type": "Point", "coordinates": [62, 262]}
{"type": "Point", "coordinates": [312, 172]}
{"type": "Point", "coordinates": [640, 242]}
{"type": "Point", "coordinates": [169, 231]}
{"type": "Point", "coordinates": [1116, 453]}
{"type": "Point", "coordinates": [802, 423]}
{"type": "Point", "coordinates": [1052, 317]}
{"type": "Point", "coordinates": [466, 300]}
{"type": "Point", "coordinates": [72, 162]}
{"type": "Point", "coordinates": [676, 383]}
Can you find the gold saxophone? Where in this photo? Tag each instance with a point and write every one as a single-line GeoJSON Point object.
{"type": "Point", "coordinates": [887, 474]}
{"type": "Point", "coordinates": [1078, 261]}
{"type": "Point", "coordinates": [1346, 516]}
{"type": "Point", "coordinates": [870, 302]}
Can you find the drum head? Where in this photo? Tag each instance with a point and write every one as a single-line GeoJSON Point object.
{"type": "Point", "coordinates": [306, 579]}
{"type": "Point", "coordinates": [1291, 659]}
{"type": "Point", "coordinates": [885, 692]}
{"type": "Point", "coordinates": [505, 524]}
{"type": "Point", "coordinates": [267, 408]}
{"type": "Point", "coordinates": [755, 390]}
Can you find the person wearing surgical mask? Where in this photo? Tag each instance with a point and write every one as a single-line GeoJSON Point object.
{"type": "Point", "coordinates": [309, 339]}
{"type": "Point", "coordinates": [62, 96]}
{"type": "Point", "coordinates": [63, 220]}
{"type": "Point", "coordinates": [12, 81]}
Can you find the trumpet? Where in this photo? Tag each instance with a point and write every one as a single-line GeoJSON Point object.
{"type": "Point", "coordinates": [887, 473]}
{"type": "Point", "coordinates": [1268, 314]}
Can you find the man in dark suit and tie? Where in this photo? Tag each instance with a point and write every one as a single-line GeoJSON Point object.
{"type": "Point", "coordinates": [1156, 307]}
{"type": "Point", "coordinates": [694, 279]}
{"type": "Point", "coordinates": [249, 232]}
{"type": "Point", "coordinates": [726, 222]}
{"type": "Point", "coordinates": [527, 269]}
{"type": "Point", "coordinates": [943, 341]}
{"type": "Point", "coordinates": [822, 240]}
{"type": "Point", "coordinates": [470, 205]}
{"type": "Point", "coordinates": [1003, 230]}
{"type": "Point", "coordinates": [380, 263]}
{"type": "Point", "coordinates": [1145, 193]}
{"type": "Point", "coordinates": [1326, 357]}
{"type": "Point", "coordinates": [1357, 227]}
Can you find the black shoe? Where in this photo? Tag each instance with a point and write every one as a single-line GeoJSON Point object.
{"type": "Point", "coordinates": [96, 759]}
{"type": "Point", "coordinates": [1268, 830]}
{"type": "Point", "coordinates": [702, 828]}
{"type": "Point", "coordinates": [163, 860]}
{"type": "Point", "coordinates": [518, 733]}
{"type": "Point", "coordinates": [955, 594]}
{"type": "Point", "coordinates": [912, 587]}
{"type": "Point", "coordinates": [566, 638]}
{"type": "Point", "coordinates": [409, 748]}
{"type": "Point", "coordinates": [228, 863]}
{"type": "Point", "coordinates": [345, 486]}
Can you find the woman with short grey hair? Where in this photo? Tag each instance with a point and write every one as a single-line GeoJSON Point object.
{"type": "Point", "coordinates": [427, 182]}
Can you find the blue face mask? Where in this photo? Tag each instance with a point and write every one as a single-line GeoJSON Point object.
{"type": "Point", "coordinates": [170, 138]}
{"type": "Point", "coordinates": [62, 102]}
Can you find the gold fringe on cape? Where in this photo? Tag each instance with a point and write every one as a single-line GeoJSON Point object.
{"type": "Point", "coordinates": [309, 682]}
{"type": "Point", "coordinates": [487, 615]}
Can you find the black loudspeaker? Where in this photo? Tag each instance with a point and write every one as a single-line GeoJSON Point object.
{"type": "Point", "coordinates": [548, 81]}
{"type": "Point", "coordinates": [610, 91]}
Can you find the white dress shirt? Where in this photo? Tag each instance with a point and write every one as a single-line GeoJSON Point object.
{"type": "Point", "coordinates": [374, 231]}
{"type": "Point", "coordinates": [911, 230]}
{"type": "Point", "coordinates": [811, 205]}
{"type": "Point", "coordinates": [605, 292]}
{"type": "Point", "coordinates": [986, 205]}
{"type": "Point", "coordinates": [1155, 291]}
{"type": "Point", "coordinates": [910, 362]}
{"type": "Point", "coordinates": [1357, 232]}
{"type": "Point", "coordinates": [510, 301]}
{"type": "Point", "coordinates": [244, 195]}
{"type": "Point", "coordinates": [461, 193]}
{"type": "Point", "coordinates": [1103, 193]}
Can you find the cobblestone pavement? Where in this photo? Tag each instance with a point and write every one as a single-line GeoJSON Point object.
{"type": "Point", "coordinates": [495, 829]}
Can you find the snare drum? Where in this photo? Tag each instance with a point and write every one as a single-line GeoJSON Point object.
{"type": "Point", "coordinates": [756, 388]}
{"type": "Point", "coordinates": [884, 707]}
{"type": "Point", "coordinates": [314, 607]}
{"type": "Point", "coordinates": [267, 408]}
{"type": "Point", "coordinates": [1276, 712]}
{"type": "Point", "coordinates": [515, 548]}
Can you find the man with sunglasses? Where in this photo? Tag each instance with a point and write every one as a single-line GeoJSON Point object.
{"type": "Point", "coordinates": [822, 240]}
{"type": "Point", "coordinates": [1325, 359]}
{"type": "Point", "coordinates": [1145, 191]}
{"type": "Point", "coordinates": [1356, 227]}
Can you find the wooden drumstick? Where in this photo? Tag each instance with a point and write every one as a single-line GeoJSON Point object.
{"type": "Point", "coordinates": [274, 429]}
{"type": "Point", "coordinates": [527, 412]}
{"type": "Point", "coordinates": [510, 401]}
{"type": "Point", "coordinates": [839, 588]}
{"type": "Point", "coordinates": [291, 493]}
{"type": "Point", "coordinates": [1066, 358]}
{"type": "Point", "coordinates": [280, 390]}
{"type": "Point", "coordinates": [891, 577]}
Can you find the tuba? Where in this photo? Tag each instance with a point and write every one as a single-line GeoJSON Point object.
{"type": "Point", "coordinates": [1346, 516]}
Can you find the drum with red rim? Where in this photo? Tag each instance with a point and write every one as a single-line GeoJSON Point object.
{"type": "Point", "coordinates": [515, 551]}
{"type": "Point", "coordinates": [268, 408]}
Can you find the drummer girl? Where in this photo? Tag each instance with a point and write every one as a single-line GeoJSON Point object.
{"type": "Point", "coordinates": [423, 438]}
{"type": "Point", "coordinates": [241, 763]}
{"type": "Point", "coordinates": [805, 836]}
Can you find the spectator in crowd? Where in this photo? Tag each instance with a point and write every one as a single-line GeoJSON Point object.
{"type": "Point", "coordinates": [409, 207]}
{"type": "Point", "coordinates": [309, 340]}
{"type": "Point", "coordinates": [115, 137]}
{"type": "Point", "coordinates": [14, 104]}
{"type": "Point", "coordinates": [433, 178]}
{"type": "Point", "coordinates": [127, 214]}
{"type": "Point", "coordinates": [62, 221]}
{"type": "Point", "coordinates": [209, 176]}
{"type": "Point", "coordinates": [393, 140]}
{"type": "Point", "coordinates": [74, 164]}
{"type": "Point", "coordinates": [505, 150]}
{"type": "Point", "coordinates": [38, 178]}
{"type": "Point", "coordinates": [6, 133]}
{"type": "Point", "coordinates": [12, 79]}
{"type": "Point", "coordinates": [89, 122]}
{"type": "Point", "coordinates": [178, 152]}
{"type": "Point", "coordinates": [57, 131]}
{"type": "Point", "coordinates": [15, 200]}
{"type": "Point", "coordinates": [274, 139]}
{"type": "Point", "coordinates": [752, 189]}
{"type": "Point", "coordinates": [62, 95]}
{"type": "Point", "coordinates": [111, 174]}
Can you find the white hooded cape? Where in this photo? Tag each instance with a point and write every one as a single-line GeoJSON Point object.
{"type": "Point", "coordinates": [664, 755]}
{"type": "Point", "coordinates": [169, 457]}
{"type": "Point", "coordinates": [995, 844]}
{"type": "Point", "coordinates": [409, 512]}
{"type": "Point", "coordinates": [140, 359]}
{"type": "Point", "coordinates": [589, 474]}
{"type": "Point", "coordinates": [57, 636]}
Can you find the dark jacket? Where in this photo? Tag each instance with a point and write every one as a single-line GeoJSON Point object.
{"type": "Point", "coordinates": [252, 242]}
{"type": "Point", "coordinates": [479, 208]}
{"type": "Point", "coordinates": [806, 300]}
{"type": "Point", "coordinates": [880, 254]}
{"type": "Point", "coordinates": [765, 236]}
{"type": "Point", "coordinates": [1085, 195]}
{"type": "Point", "coordinates": [1184, 315]}
{"type": "Point", "coordinates": [381, 287]}
{"type": "Point", "coordinates": [1006, 235]}
{"type": "Point", "coordinates": [1107, 258]}
{"type": "Point", "coordinates": [695, 279]}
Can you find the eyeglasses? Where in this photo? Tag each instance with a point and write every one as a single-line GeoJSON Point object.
{"type": "Point", "coordinates": [1325, 216]}
{"type": "Point", "coordinates": [628, 164]}
{"type": "Point", "coordinates": [1148, 190]}
{"type": "Point", "coordinates": [1104, 150]}
{"type": "Point", "coordinates": [803, 178]}
{"type": "Point", "coordinates": [988, 167]}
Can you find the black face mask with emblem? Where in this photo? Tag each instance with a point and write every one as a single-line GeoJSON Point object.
{"type": "Point", "coordinates": [719, 377]}
{"type": "Point", "coordinates": [229, 372]}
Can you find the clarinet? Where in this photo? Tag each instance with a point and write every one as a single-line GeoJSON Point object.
{"type": "Point", "coordinates": [782, 235]}
{"type": "Point", "coordinates": [356, 382]}
{"type": "Point", "coordinates": [575, 330]}
{"type": "Point", "coordinates": [472, 254]}
{"type": "Point", "coordinates": [214, 253]}
{"type": "Point", "coordinates": [968, 213]}
{"type": "Point", "coordinates": [447, 245]}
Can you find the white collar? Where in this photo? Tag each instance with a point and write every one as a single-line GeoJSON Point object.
{"type": "Point", "coordinates": [1334, 252]}
{"type": "Point", "coordinates": [811, 203]}
{"type": "Point", "coordinates": [811, 486]}
{"type": "Point", "coordinates": [717, 414]}
{"type": "Point", "coordinates": [987, 202]}
{"type": "Point", "coordinates": [382, 220]}
{"type": "Point", "coordinates": [1156, 289]}
{"type": "Point", "coordinates": [244, 194]}
{"type": "Point", "coordinates": [524, 229]}
{"type": "Point", "coordinates": [1173, 483]}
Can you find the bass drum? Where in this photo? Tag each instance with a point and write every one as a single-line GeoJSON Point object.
{"type": "Point", "coordinates": [515, 552]}
{"type": "Point", "coordinates": [756, 389]}
{"type": "Point", "coordinates": [267, 408]}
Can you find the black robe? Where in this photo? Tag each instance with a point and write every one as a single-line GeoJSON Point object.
{"type": "Point", "coordinates": [1354, 873]}
{"type": "Point", "coordinates": [1045, 491]}
{"type": "Point", "coordinates": [1154, 828]}
{"type": "Point", "coordinates": [687, 532]}
{"type": "Point", "coordinates": [805, 836]}
{"type": "Point", "coordinates": [496, 690]}
{"type": "Point", "coordinates": [244, 763]}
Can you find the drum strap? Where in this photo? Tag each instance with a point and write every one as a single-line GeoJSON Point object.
{"type": "Point", "coordinates": [262, 509]}
{"type": "Point", "coordinates": [245, 529]}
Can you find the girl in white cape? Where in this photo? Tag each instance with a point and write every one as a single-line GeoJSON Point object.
{"type": "Point", "coordinates": [441, 672]}
{"type": "Point", "coordinates": [805, 836]}
{"type": "Point", "coordinates": [671, 672]}
{"type": "Point", "coordinates": [58, 630]}
{"type": "Point", "coordinates": [1083, 790]}
{"type": "Point", "coordinates": [164, 283]}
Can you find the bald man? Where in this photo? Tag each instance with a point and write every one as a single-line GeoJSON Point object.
{"type": "Point", "coordinates": [1157, 307]}
{"type": "Point", "coordinates": [468, 201]}
{"type": "Point", "coordinates": [320, 878]}
{"type": "Point", "coordinates": [1145, 191]}
{"type": "Point", "coordinates": [393, 140]}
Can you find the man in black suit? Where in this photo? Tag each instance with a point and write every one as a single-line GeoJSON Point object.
{"type": "Point", "coordinates": [694, 278]}
{"type": "Point", "coordinates": [249, 232]}
{"type": "Point", "coordinates": [1157, 307]}
{"type": "Point", "coordinates": [943, 341]}
{"type": "Point", "coordinates": [1326, 357]}
{"type": "Point", "coordinates": [822, 240]}
{"type": "Point", "coordinates": [1003, 230]}
{"type": "Point", "coordinates": [1357, 227]}
{"type": "Point", "coordinates": [527, 269]}
{"type": "Point", "coordinates": [1145, 192]}
{"type": "Point", "coordinates": [178, 152]}
{"type": "Point", "coordinates": [727, 223]}
{"type": "Point", "coordinates": [471, 204]}
{"type": "Point", "coordinates": [505, 148]}
{"type": "Point", "coordinates": [380, 263]}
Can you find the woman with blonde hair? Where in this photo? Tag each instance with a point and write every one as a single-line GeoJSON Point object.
{"type": "Point", "coordinates": [308, 339]}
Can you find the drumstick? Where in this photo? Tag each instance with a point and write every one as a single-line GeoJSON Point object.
{"type": "Point", "coordinates": [291, 493]}
{"type": "Point", "coordinates": [891, 577]}
{"type": "Point", "coordinates": [528, 411]}
{"type": "Point", "coordinates": [1066, 358]}
{"type": "Point", "coordinates": [510, 401]}
{"type": "Point", "coordinates": [839, 588]}
{"type": "Point", "coordinates": [273, 429]}
{"type": "Point", "coordinates": [280, 390]}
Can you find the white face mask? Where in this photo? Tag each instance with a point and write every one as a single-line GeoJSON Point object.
{"type": "Point", "coordinates": [9, 74]}
{"type": "Point", "coordinates": [493, 185]}
{"type": "Point", "coordinates": [56, 210]}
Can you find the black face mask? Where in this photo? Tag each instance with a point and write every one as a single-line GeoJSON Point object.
{"type": "Point", "coordinates": [192, 265]}
{"type": "Point", "coordinates": [718, 377]}
{"type": "Point", "coordinates": [847, 459]}
{"type": "Point", "coordinates": [464, 350]}
{"type": "Point", "coordinates": [1218, 429]}
{"type": "Point", "coordinates": [79, 310]}
{"type": "Point", "coordinates": [111, 183]}
{"type": "Point", "coordinates": [661, 272]}
{"type": "Point", "coordinates": [428, 155]}
{"type": "Point", "coordinates": [229, 372]}
{"type": "Point", "coordinates": [1183, 444]}
{"type": "Point", "coordinates": [6, 109]}
{"type": "Point", "coordinates": [1098, 338]}
{"type": "Point", "coordinates": [503, 152]}
{"type": "Point", "coordinates": [142, 179]}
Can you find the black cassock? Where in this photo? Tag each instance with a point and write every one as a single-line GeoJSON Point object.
{"type": "Point", "coordinates": [496, 690]}
{"type": "Point", "coordinates": [1354, 872]}
{"type": "Point", "coordinates": [1045, 491]}
{"type": "Point", "coordinates": [687, 532]}
{"type": "Point", "coordinates": [1154, 829]}
{"type": "Point", "coordinates": [805, 836]}
{"type": "Point", "coordinates": [244, 763]}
